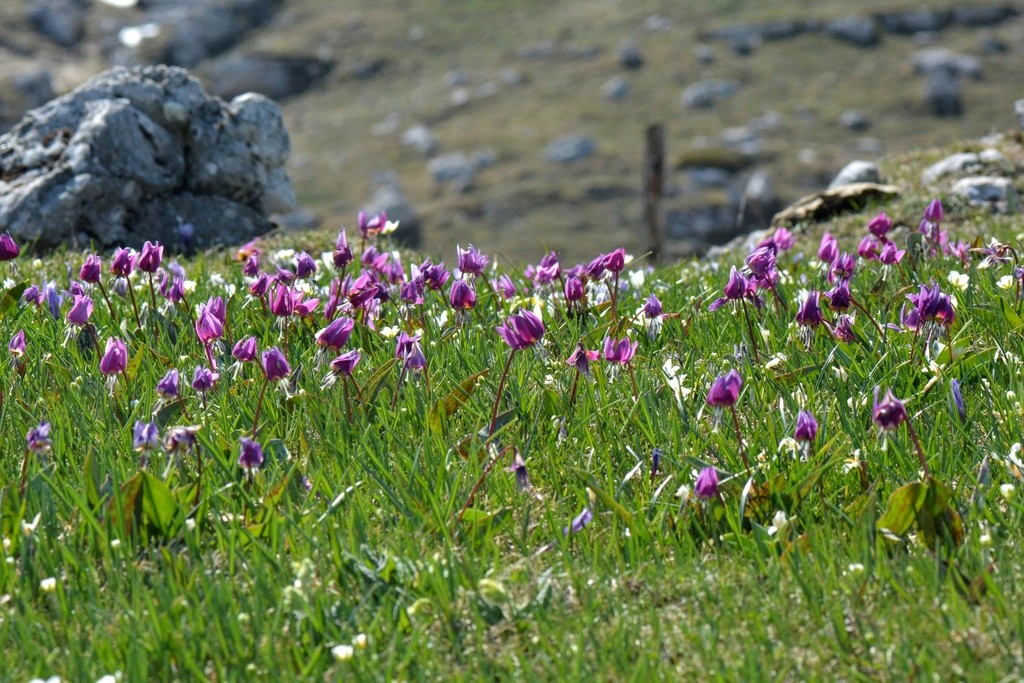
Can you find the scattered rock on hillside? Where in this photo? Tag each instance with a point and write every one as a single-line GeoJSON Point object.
{"type": "Point", "coordinates": [927, 60]}
{"type": "Point", "coordinates": [1018, 108]}
{"type": "Point", "coordinates": [914, 21]}
{"type": "Point", "coordinates": [759, 200]}
{"type": "Point", "coordinates": [570, 149]}
{"type": "Point", "coordinates": [454, 168]}
{"type": "Point", "coordinates": [419, 138]}
{"type": "Point", "coordinates": [705, 94]}
{"type": "Point", "coordinates": [704, 54]}
{"type": "Point", "coordinates": [203, 29]}
{"type": "Point", "coordinates": [995, 193]}
{"type": "Point", "coordinates": [630, 56]}
{"type": "Point", "coordinates": [131, 152]}
{"type": "Point", "coordinates": [854, 119]}
{"type": "Point", "coordinates": [974, 15]}
{"type": "Point", "coordinates": [62, 21]}
{"type": "Point", "coordinates": [860, 31]}
{"type": "Point", "coordinates": [456, 78]}
{"type": "Point", "coordinates": [954, 163]}
{"type": "Point", "coordinates": [615, 89]}
{"type": "Point", "coordinates": [943, 92]}
{"type": "Point", "coordinates": [276, 76]}
{"type": "Point", "coordinates": [544, 49]}
{"type": "Point", "coordinates": [388, 196]}
{"type": "Point", "coordinates": [856, 172]}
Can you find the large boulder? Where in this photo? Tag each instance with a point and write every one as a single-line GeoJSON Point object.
{"type": "Point", "coordinates": [133, 153]}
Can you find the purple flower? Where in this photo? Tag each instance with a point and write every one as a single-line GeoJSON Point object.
{"type": "Point", "coordinates": [890, 255]}
{"type": "Point", "coordinates": [829, 248]}
{"type": "Point", "coordinates": [342, 251]}
{"type": "Point", "coordinates": [168, 386]}
{"type": "Point", "coordinates": [282, 302]}
{"type": "Point", "coordinates": [655, 461]}
{"type": "Point", "coordinates": [173, 288]}
{"type": "Point", "coordinates": [548, 270]}
{"type": "Point", "coordinates": [880, 225]}
{"type": "Point", "coordinates": [435, 275]}
{"type": "Point", "coordinates": [839, 298]}
{"type": "Point", "coordinates": [336, 334]}
{"type": "Point", "coordinates": [123, 263]}
{"type": "Point", "coordinates": [53, 299]}
{"type": "Point", "coordinates": [615, 261]}
{"type": "Point", "coordinates": [842, 268]}
{"type": "Point", "coordinates": [809, 313]}
{"type": "Point", "coordinates": [933, 212]}
{"type": "Point", "coordinates": [518, 467]}
{"type": "Point", "coordinates": [305, 266]}
{"type": "Point", "coordinates": [208, 326]}
{"type": "Point", "coordinates": [115, 357]}
{"type": "Point", "coordinates": [725, 390]}
{"type": "Point", "coordinates": [783, 239]}
{"type": "Point", "coordinates": [706, 486]}
{"type": "Point", "coordinates": [958, 400]}
{"type": "Point", "coordinates": [652, 307]}
{"type": "Point", "coordinates": [806, 426]}
{"type": "Point", "coordinates": [596, 268]}
{"type": "Point", "coordinates": [868, 248]}
{"type": "Point", "coordinates": [409, 350]}
{"type": "Point", "coordinates": [344, 364]}
{"type": "Point", "coordinates": [151, 257]}
{"type": "Point", "coordinates": [890, 413]}
{"type": "Point", "coordinates": [38, 438]}
{"type": "Point", "coordinates": [91, 269]}
{"type": "Point", "coordinates": [145, 436]}
{"type": "Point", "coordinates": [245, 350]}
{"type": "Point", "coordinates": [737, 288]}
{"type": "Point", "coordinates": [471, 261]}
{"type": "Point", "coordinates": [180, 439]}
{"type": "Point", "coordinates": [251, 455]}
{"type": "Point", "coordinates": [8, 247]}
{"type": "Point", "coordinates": [619, 350]}
{"type": "Point", "coordinates": [930, 305]}
{"type": "Point", "coordinates": [251, 267]}
{"type": "Point", "coordinates": [579, 522]}
{"type": "Point", "coordinates": [462, 296]}
{"type": "Point", "coordinates": [370, 225]}
{"type": "Point", "coordinates": [761, 263]}
{"type": "Point", "coordinates": [33, 295]}
{"type": "Point", "coordinates": [521, 330]}
{"type": "Point", "coordinates": [275, 365]}
{"type": "Point", "coordinates": [580, 359]}
{"type": "Point", "coordinates": [843, 329]}
{"type": "Point", "coordinates": [505, 286]}
{"type": "Point", "coordinates": [259, 286]}
{"type": "Point", "coordinates": [80, 311]}
{"type": "Point", "coordinates": [305, 307]}
{"type": "Point", "coordinates": [203, 379]}
{"type": "Point", "coordinates": [573, 289]}
{"type": "Point", "coordinates": [411, 292]}
{"type": "Point", "coordinates": [16, 347]}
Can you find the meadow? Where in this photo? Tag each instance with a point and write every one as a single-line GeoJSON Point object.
{"type": "Point", "coordinates": [350, 462]}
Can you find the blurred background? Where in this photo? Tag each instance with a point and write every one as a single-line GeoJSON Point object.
{"type": "Point", "coordinates": [519, 126]}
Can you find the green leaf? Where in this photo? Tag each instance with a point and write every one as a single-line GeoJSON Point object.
{"type": "Point", "coordinates": [447, 406]}
{"type": "Point", "coordinates": [136, 362]}
{"type": "Point", "coordinates": [372, 386]}
{"type": "Point", "coordinates": [622, 513]}
{"type": "Point", "coordinates": [901, 511]}
{"type": "Point", "coordinates": [159, 508]}
{"type": "Point", "coordinates": [1010, 315]}
{"type": "Point", "coordinates": [9, 299]}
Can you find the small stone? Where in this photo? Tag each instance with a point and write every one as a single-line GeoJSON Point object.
{"type": "Point", "coordinates": [1018, 108]}
{"type": "Point", "coordinates": [995, 193]}
{"type": "Point", "coordinates": [953, 164]}
{"type": "Point", "coordinates": [856, 172]}
{"type": "Point", "coordinates": [512, 77]}
{"type": "Point", "coordinates": [534, 51]}
{"type": "Point", "coordinates": [860, 31]}
{"type": "Point", "coordinates": [419, 138]}
{"type": "Point", "coordinates": [854, 119]}
{"type": "Point", "coordinates": [455, 168]}
{"type": "Point", "coordinates": [705, 94]}
{"type": "Point", "coordinates": [704, 54]}
{"type": "Point", "coordinates": [570, 149]}
{"type": "Point", "coordinates": [656, 22]}
{"type": "Point", "coordinates": [456, 78]}
{"type": "Point", "coordinates": [992, 156]}
{"type": "Point", "coordinates": [615, 89]}
{"type": "Point", "coordinates": [630, 56]}
{"type": "Point", "coordinates": [944, 92]}
{"type": "Point", "coordinates": [939, 58]}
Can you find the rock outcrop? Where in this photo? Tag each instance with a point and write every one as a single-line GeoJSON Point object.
{"type": "Point", "coordinates": [134, 153]}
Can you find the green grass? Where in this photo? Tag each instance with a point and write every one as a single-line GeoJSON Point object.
{"type": "Point", "coordinates": [351, 532]}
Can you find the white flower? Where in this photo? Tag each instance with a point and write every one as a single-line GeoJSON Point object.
{"type": "Point", "coordinates": [958, 280]}
{"type": "Point", "coordinates": [360, 641]}
{"type": "Point", "coordinates": [779, 522]}
{"type": "Point", "coordinates": [109, 678]}
{"type": "Point", "coordinates": [389, 227]}
{"type": "Point", "coordinates": [855, 569]}
{"type": "Point", "coordinates": [390, 332]}
{"type": "Point", "coordinates": [48, 585]}
{"type": "Point", "coordinates": [29, 528]}
{"type": "Point", "coordinates": [115, 543]}
{"type": "Point", "coordinates": [284, 254]}
{"type": "Point", "coordinates": [1005, 282]}
{"type": "Point", "coordinates": [1008, 491]}
{"type": "Point", "coordinates": [343, 653]}
{"type": "Point", "coordinates": [683, 494]}
{"type": "Point", "coordinates": [189, 285]}
{"type": "Point", "coordinates": [637, 278]}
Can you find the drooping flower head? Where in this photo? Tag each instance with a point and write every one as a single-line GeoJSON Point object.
{"type": "Point", "coordinates": [471, 261]}
{"type": "Point", "coordinates": [809, 313]}
{"type": "Point", "coordinates": [806, 426]}
{"type": "Point", "coordinates": [842, 267]}
{"type": "Point", "coordinates": [462, 296]}
{"type": "Point", "coordinates": [168, 386]}
{"type": "Point", "coordinates": [958, 400]}
{"type": "Point", "coordinates": [580, 359]}
{"type": "Point", "coordinates": [345, 363]}
{"type": "Point", "coordinates": [652, 307]}
{"type": "Point", "coordinates": [828, 250]}
{"type": "Point", "coordinates": [250, 456]}
{"type": "Point", "coordinates": [80, 310]}
{"type": "Point", "coordinates": [725, 390]}
{"type": "Point", "coordinates": [203, 379]}
{"type": "Point", "coordinates": [519, 469]}
{"type": "Point", "coordinates": [38, 438]}
{"type": "Point", "coordinates": [738, 287]}
{"type": "Point", "coordinates": [839, 298]}
{"type": "Point", "coordinates": [145, 436]}
{"type": "Point", "coordinates": [123, 263]}
{"type": "Point", "coordinates": [706, 486]}
{"type": "Point", "coordinates": [275, 365]}
{"type": "Point", "coordinates": [579, 522]}
{"type": "Point", "coordinates": [880, 225]}
{"type": "Point", "coordinates": [91, 269]}
{"type": "Point", "coordinates": [305, 266]}
{"type": "Point", "coordinates": [115, 357]}
{"type": "Point", "coordinates": [151, 257]}
{"type": "Point", "coordinates": [342, 251]}
{"type": "Point", "coordinates": [889, 413]}
{"type": "Point", "coordinates": [521, 330]}
{"type": "Point", "coordinates": [245, 350]}
{"type": "Point", "coordinates": [548, 270]}
{"type": "Point", "coordinates": [336, 334]}
{"type": "Point", "coordinates": [8, 247]}
{"type": "Point", "coordinates": [619, 351]}
{"type": "Point", "coordinates": [409, 350]}
{"type": "Point", "coordinates": [573, 289]}
{"type": "Point", "coordinates": [615, 261]}
{"type": "Point", "coordinates": [890, 254]}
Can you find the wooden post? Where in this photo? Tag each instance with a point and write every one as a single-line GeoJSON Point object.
{"type": "Point", "coordinates": [654, 178]}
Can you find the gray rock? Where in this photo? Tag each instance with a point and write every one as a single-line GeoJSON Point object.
{"type": "Point", "coordinates": [615, 89]}
{"type": "Point", "coordinates": [914, 21]}
{"type": "Point", "coordinates": [656, 22]}
{"type": "Point", "coordinates": [704, 54]}
{"type": "Point", "coordinates": [705, 94]}
{"type": "Point", "coordinates": [455, 168]}
{"type": "Point", "coordinates": [743, 139]}
{"type": "Point", "coordinates": [856, 172]}
{"type": "Point", "coordinates": [299, 219]}
{"type": "Point", "coordinates": [629, 55]}
{"type": "Point", "coordinates": [512, 77]}
{"type": "Point", "coordinates": [483, 158]}
{"type": "Point", "coordinates": [944, 92]}
{"type": "Point", "coordinates": [869, 145]}
{"type": "Point", "coordinates": [709, 178]}
{"type": "Point", "coordinates": [544, 49]}
{"type": "Point", "coordinates": [1018, 108]}
{"type": "Point", "coordinates": [953, 164]}
{"type": "Point", "coordinates": [854, 119]}
{"type": "Point", "coordinates": [419, 138]}
{"type": "Point", "coordinates": [993, 45]}
{"type": "Point", "coordinates": [276, 76]}
{"type": "Point", "coordinates": [570, 149]}
{"type": "Point", "coordinates": [36, 86]}
{"type": "Point", "coordinates": [940, 58]}
{"type": "Point", "coordinates": [995, 193]}
{"type": "Point", "coordinates": [62, 21]}
{"type": "Point", "coordinates": [860, 31]}
{"type": "Point", "coordinates": [983, 15]}
{"type": "Point", "coordinates": [199, 30]}
{"type": "Point", "coordinates": [125, 156]}
{"type": "Point", "coordinates": [456, 78]}
{"type": "Point", "coordinates": [760, 202]}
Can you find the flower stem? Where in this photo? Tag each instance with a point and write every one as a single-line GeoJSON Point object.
{"type": "Point", "coordinates": [920, 451]}
{"type": "Point", "coordinates": [739, 437]}
{"type": "Point", "coordinates": [497, 399]}
{"type": "Point", "coordinates": [135, 307]}
{"type": "Point", "coordinates": [480, 481]}
{"type": "Point", "coordinates": [110, 308]}
{"type": "Point", "coordinates": [860, 306]}
{"type": "Point", "coordinates": [24, 474]}
{"type": "Point", "coordinates": [259, 404]}
{"type": "Point", "coordinates": [750, 331]}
